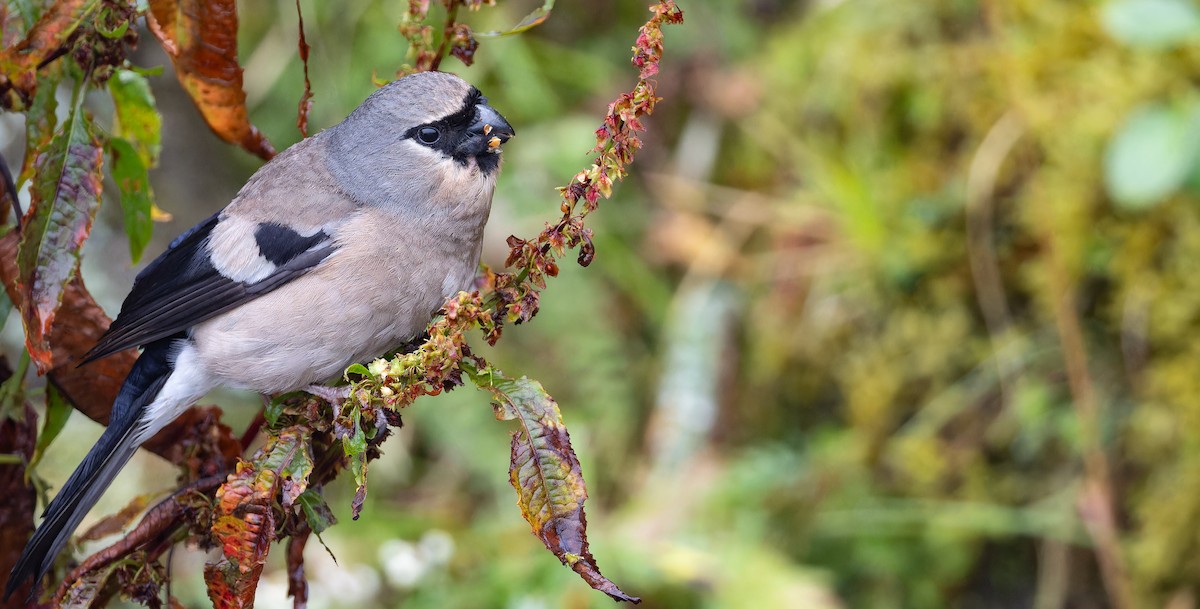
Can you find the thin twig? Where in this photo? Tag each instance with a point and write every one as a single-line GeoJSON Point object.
{"type": "Point", "coordinates": [447, 33]}
{"type": "Point", "coordinates": [1095, 501]}
{"type": "Point", "coordinates": [160, 519]}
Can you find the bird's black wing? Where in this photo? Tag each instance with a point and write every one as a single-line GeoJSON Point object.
{"type": "Point", "coordinates": [182, 287]}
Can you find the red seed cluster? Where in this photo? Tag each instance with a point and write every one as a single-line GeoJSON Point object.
{"type": "Point", "coordinates": [514, 296]}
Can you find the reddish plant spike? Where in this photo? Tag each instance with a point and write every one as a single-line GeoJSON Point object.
{"type": "Point", "coordinates": [305, 99]}
{"type": "Point", "coordinates": [515, 296]}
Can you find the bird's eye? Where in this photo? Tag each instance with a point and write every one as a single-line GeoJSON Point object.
{"type": "Point", "coordinates": [429, 135]}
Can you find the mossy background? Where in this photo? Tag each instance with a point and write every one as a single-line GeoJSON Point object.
{"type": "Point", "coordinates": [899, 308]}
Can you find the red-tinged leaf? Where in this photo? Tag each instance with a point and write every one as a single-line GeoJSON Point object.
{"type": "Point", "coordinates": [137, 117]}
{"type": "Point", "coordinates": [48, 39]}
{"type": "Point", "coordinates": [65, 197]}
{"type": "Point", "coordinates": [245, 519]}
{"type": "Point", "coordinates": [547, 476]}
{"type": "Point", "coordinates": [201, 38]}
{"type": "Point", "coordinates": [133, 193]}
{"type": "Point", "coordinates": [90, 590]}
{"type": "Point", "coordinates": [229, 588]}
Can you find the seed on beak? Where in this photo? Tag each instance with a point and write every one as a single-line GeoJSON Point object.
{"type": "Point", "coordinates": [487, 129]}
{"type": "Point", "coordinates": [494, 143]}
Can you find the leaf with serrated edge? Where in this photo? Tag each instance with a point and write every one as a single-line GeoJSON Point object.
{"type": "Point", "coordinates": [228, 587]}
{"type": "Point", "coordinates": [48, 38]}
{"type": "Point", "coordinates": [64, 198]}
{"type": "Point", "coordinates": [546, 475]}
{"type": "Point", "coordinates": [245, 522]}
{"type": "Point", "coordinates": [115, 523]}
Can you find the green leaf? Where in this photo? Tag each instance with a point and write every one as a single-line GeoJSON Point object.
{"type": "Point", "coordinates": [64, 198]}
{"type": "Point", "coordinates": [296, 471]}
{"type": "Point", "coordinates": [1152, 24]}
{"type": "Point", "coordinates": [316, 510]}
{"type": "Point", "coordinates": [133, 192]}
{"type": "Point", "coordinates": [275, 409]}
{"type": "Point", "coordinates": [58, 410]}
{"type": "Point", "coordinates": [533, 19]}
{"type": "Point", "coordinates": [1151, 155]}
{"type": "Point", "coordinates": [358, 369]}
{"type": "Point", "coordinates": [28, 10]}
{"type": "Point", "coordinates": [137, 118]}
{"type": "Point", "coordinates": [12, 391]}
{"type": "Point", "coordinates": [355, 445]}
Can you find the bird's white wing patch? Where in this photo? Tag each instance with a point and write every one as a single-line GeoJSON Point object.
{"type": "Point", "coordinates": [234, 251]}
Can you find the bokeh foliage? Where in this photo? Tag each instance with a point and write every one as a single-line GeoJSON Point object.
{"type": "Point", "coordinates": [899, 313]}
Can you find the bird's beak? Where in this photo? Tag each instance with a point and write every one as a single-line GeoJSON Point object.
{"type": "Point", "coordinates": [491, 128]}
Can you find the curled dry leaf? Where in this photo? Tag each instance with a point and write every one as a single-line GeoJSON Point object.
{"type": "Point", "coordinates": [114, 523]}
{"type": "Point", "coordinates": [201, 39]}
{"type": "Point", "coordinates": [546, 475]}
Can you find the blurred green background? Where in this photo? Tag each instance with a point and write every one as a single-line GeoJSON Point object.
{"type": "Point", "coordinates": [898, 309]}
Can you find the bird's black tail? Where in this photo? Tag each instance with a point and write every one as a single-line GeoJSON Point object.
{"type": "Point", "coordinates": [114, 448]}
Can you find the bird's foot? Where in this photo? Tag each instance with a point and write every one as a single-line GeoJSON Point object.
{"type": "Point", "coordinates": [333, 395]}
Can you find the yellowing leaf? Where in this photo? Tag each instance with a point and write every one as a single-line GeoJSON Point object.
{"type": "Point", "coordinates": [201, 38]}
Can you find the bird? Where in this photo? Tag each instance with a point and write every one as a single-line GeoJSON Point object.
{"type": "Point", "coordinates": [340, 248]}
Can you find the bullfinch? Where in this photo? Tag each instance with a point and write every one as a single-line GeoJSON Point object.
{"type": "Point", "coordinates": [340, 248]}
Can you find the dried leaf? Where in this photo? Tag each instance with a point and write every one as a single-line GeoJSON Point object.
{"type": "Point", "coordinates": [64, 199]}
{"type": "Point", "coordinates": [89, 590]}
{"type": "Point", "coordinates": [133, 193]}
{"type": "Point", "coordinates": [297, 582]}
{"type": "Point", "coordinates": [547, 476]}
{"type": "Point", "coordinates": [201, 39]}
{"type": "Point", "coordinates": [115, 523]}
